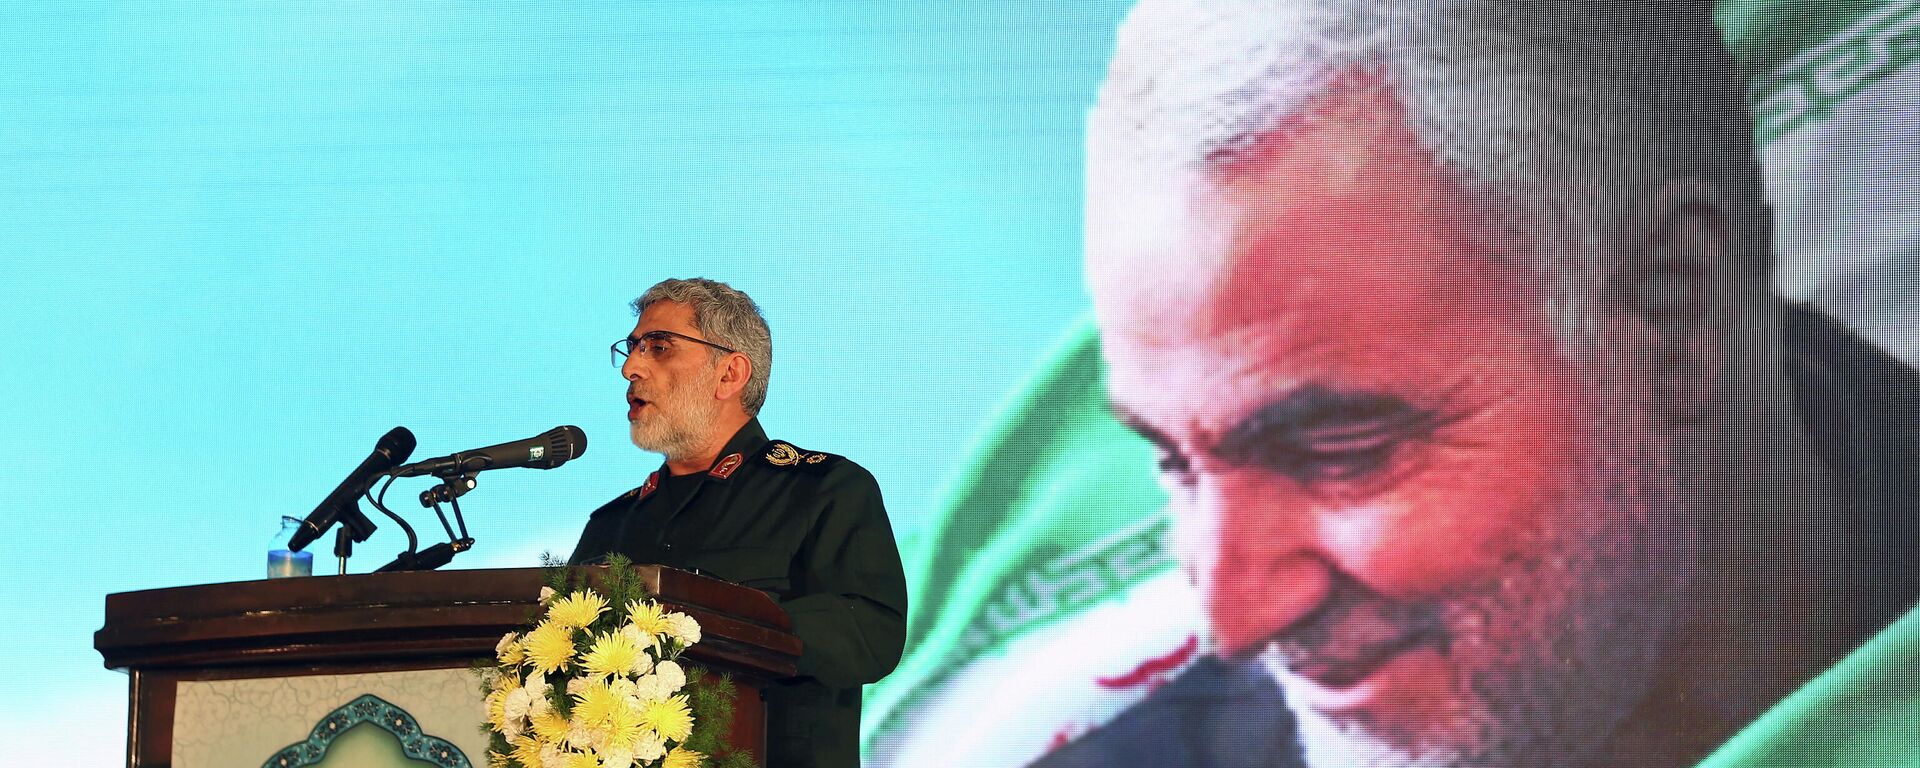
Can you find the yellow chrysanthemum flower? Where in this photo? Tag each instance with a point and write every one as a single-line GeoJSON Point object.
{"type": "Point", "coordinates": [681, 757]}
{"type": "Point", "coordinates": [577, 610]}
{"type": "Point", "coordinates": [612, 654]}
{"type": "Point", "coordinates": [624, 728]}
{"type": "Point", "coordinates": [506, 683]}
{"type": "Point", "coordinates": [549, 646]}
{"type": "Point", "coordinates": [510, 651]}
{"type": "Point", "coordinates": [669, 717]}
{"type": "Point", "coordinates": [647, 617]}
{"type": "Point", "coordinates": [582, 760]}
{"type": "Point", "coordinates": [527, 751]}
{"type": "Point", "coordinates": [497, 709]}
{"type": "Point", "coordinates": [549, 726]}
{"type": "Point", "coordinates": [595, 704]}
{"type": "Point", "coordinates": [497, 760]}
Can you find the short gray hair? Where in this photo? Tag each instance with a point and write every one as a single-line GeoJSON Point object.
{"type": "Point", "coordinates": [727, 317]}
{"type": "Point", "coordinates": [1569, 113]}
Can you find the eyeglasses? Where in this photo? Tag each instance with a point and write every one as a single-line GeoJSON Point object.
{"type": "Point", "coordinates": [655, 344]}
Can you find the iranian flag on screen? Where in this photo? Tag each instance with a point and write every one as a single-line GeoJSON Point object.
{"type": "Point", "coordinates": [1836, 101]}
{"type": "Point", "coordinates": [1044, 602]}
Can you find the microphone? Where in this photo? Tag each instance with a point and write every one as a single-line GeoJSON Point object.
{"type": "Point", "coordinates": [547, 450]}
{"type": "Point", "coordinates": [342, 505]}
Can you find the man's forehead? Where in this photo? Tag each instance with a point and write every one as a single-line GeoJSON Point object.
{"type": "Point", "coordinates": [1336, 253]}
{"type": "Point", "coordinates": [1340, 209]}
{"type": "Point", "coordinates": [665, 316]}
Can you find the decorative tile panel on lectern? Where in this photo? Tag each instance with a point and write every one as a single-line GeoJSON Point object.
{"type": "Point", "coordinates": [245, 723]}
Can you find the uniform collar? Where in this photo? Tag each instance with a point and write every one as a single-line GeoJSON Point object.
{"type": "Point", "coordinates": [750, 437]}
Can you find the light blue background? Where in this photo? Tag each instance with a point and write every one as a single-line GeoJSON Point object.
{"type": "Point", "coordinates": [240, 241]}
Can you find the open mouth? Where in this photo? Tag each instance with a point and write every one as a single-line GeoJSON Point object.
{"type": "Point", "coordinates": [634, 404]}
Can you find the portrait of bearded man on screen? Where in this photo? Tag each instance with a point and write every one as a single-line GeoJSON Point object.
{"type": "Point", "coordinates": [1452, 324]}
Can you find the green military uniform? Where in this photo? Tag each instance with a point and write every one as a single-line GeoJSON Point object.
{"type": "Point", "coordinates": [808, 528]}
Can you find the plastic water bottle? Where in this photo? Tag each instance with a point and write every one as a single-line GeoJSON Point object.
{"type": "Point", "coordinates": [283, 562]}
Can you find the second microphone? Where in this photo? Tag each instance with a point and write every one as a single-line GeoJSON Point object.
{"type": "Point", "coordinates": [544, 451]}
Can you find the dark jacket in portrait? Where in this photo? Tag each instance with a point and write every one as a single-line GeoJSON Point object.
{"type": "Point", "coordinates": [807, 528]}
{"type": "Point", "coordinates": [1214, 715]}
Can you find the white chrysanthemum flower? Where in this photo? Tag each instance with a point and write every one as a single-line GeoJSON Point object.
{"type": "Point", "coordinates": [551, 756]}
{"type": "Point", "coordinates": [581, 736]}
{"type": "Point", "coordinates": [617, 758]}
{"type": "Point", "coordinates": [645, 640]}
{"type": "Point", "coordinates": [672, 677]}
{"type": "Point", "coordinates": [507, 639]}
{"type": "Point", "coordinates": [683, 629]}
{"type": "Point", "coordinates": [648, 688]}
{"type": "Point", "coordinates": [519, 702]}
{"type": "Point", "coordinates": [623, 687]}
{"type": "Point", "coordinates": [649, 748]}
{"type": "Point", "coordinates": [577, 684]}
{"type": "Point", "coordinates": [512, 728]}
{"type": "Point", "coordinates": [547, 594]}
{"type": "Point", "coordinates": [529, 699]}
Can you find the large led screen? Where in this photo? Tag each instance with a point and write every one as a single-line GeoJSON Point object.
{"type": "Point", "coordinates": [1250, 383]}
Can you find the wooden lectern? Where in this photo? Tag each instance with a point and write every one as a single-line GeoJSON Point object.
{"type": "Point", "coordinates": [336, 625]}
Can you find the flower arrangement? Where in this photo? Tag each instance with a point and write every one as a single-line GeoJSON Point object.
{"type": "Point", "coordinates": [596, 682]}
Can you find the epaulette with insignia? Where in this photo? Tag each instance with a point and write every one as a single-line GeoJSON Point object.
{"type": "Point", "coordinates": [784, 455]}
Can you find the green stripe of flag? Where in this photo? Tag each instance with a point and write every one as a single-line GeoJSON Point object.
{"type": "Point", "coordinates": [1804, 58]}
{"type": "Point", "coordinates": [1763, 34]}
{"type": "Point", "coordinates": [1056, 509]}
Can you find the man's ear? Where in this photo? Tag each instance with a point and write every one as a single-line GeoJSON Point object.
{"type": "Point", "coordinates": [1672, 284]}
{"type": "Point", "coordinates": [734, 373]}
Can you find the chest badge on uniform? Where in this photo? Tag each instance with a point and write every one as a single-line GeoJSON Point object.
{"type": "Point", "coordinates": [725, 468]}
{"type": "Point", "coordinates": [653, 481]}
{"type": "Point", "coordinates": [783, 455]}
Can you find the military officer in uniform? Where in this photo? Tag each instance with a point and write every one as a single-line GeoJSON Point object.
{"type": "Point", "coordinates": [806, 527]}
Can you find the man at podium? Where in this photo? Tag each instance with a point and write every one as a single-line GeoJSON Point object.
{"type": "Point", "coordinates": [806, 527]}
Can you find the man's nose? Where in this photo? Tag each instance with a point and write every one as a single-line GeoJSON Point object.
{"type": "Point", "coordinates": [1267, 569]}
{"type": "Point", "coordinates": [630, 368]}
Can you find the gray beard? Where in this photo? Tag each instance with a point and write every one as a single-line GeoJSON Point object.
{"type": "Point", "coordinates": [680, 428]}
{"type": "Point", "coordinates": [1547, 703]}
{"type": "Point", "coordinates": [674, 443]}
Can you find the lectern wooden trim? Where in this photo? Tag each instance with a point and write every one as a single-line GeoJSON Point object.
{"type": "Point", "coordinates": [397, 621]}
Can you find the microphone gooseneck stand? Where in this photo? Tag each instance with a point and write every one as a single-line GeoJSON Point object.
{"type": "Point", "coordinates": [452, 486]}
{"type": "Point", "coordinates": [547, 450]}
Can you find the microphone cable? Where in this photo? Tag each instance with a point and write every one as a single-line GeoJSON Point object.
{"type": "Point", "coordinates": [413, 541]}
